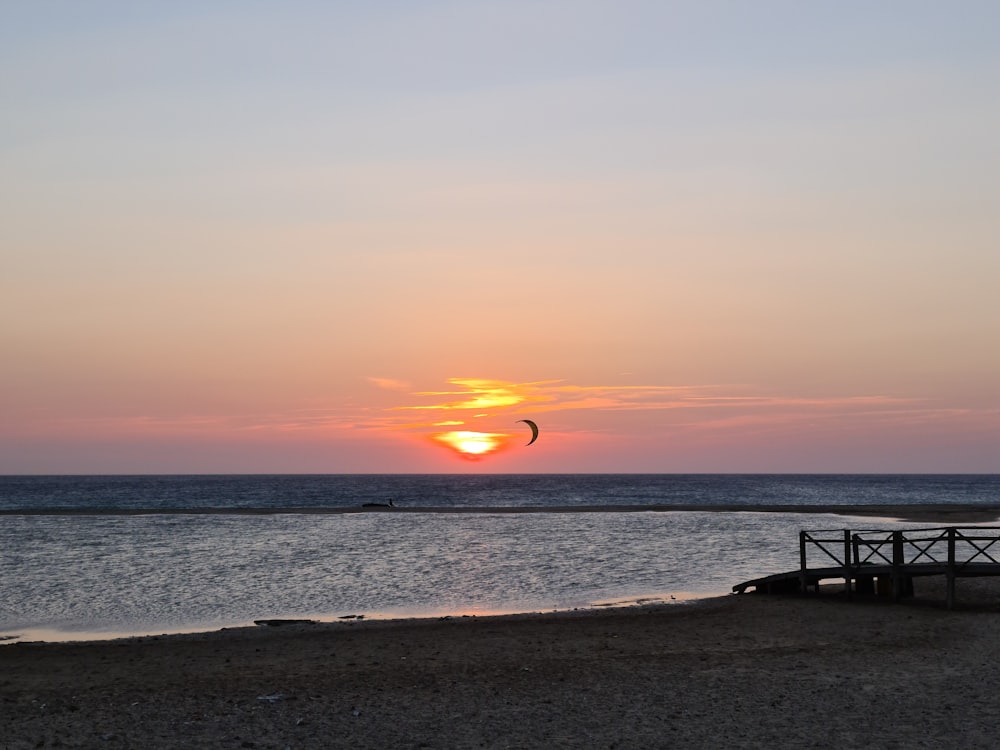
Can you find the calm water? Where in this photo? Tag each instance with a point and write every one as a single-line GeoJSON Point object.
{"type": "Point", "coordinates": [115, 573]}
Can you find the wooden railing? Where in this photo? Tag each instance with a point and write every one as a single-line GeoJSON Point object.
{"type": "Point", "coordinates": [953, 551]}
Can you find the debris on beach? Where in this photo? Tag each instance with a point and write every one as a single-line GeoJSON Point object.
{"type": "Point", "coordinates": [276, 623]}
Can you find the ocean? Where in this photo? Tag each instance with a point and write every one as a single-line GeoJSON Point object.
{"type": "Point", "coordinates": [96, 557]}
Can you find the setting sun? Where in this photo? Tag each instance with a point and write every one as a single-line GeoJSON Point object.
{"type": "Point", "coordinates": [472, 445]}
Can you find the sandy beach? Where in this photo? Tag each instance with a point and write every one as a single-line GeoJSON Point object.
{"type": "Point", "coordinates": [747, 671]}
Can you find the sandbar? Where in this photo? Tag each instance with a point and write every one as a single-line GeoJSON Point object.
{"type": "Point", "coordinates": [949, 513]}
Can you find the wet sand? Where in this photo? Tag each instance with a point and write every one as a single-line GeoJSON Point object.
{"type": "Point", "coordinates": [748, 671]}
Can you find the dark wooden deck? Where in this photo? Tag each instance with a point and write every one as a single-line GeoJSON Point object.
{"type": "Point", "coordinates": [879, 561]}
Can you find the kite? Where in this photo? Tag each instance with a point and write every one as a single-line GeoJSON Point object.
{"type": "Point", "coordinates": [534, 430]}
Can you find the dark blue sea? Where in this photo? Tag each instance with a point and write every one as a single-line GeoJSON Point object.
{"type": "Point", "coordinates": [487, 490]}
{"type": "Point", "coordinates": [97, 557]}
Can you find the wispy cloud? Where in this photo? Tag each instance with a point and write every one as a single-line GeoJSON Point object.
{"type": "Point", "coordinates": [483, 405]}
{"type": "Point", "coordinates": [479, 394]}
{"type": "Point", "coordinates": [475, 398]}
{"type": "Point", "coordinates": [390, 384]}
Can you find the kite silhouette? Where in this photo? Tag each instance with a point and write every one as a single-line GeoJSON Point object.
{"type": "Point", "coordinates": [534, 430]}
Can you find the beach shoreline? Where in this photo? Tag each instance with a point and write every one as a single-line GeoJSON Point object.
{"type": "Point", "coordinates": [39, 635]}
{"type": "Point", "coordinates": [742, 671]}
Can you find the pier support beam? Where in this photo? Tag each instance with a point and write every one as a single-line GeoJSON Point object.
{"type": "Point", "coordinates": [847, 563]}
{"type": "Point", "coordinates": [950, 573]}
{"type": "Point", "coordinates": [803, 579]}
{"type": "Point", "coordinates": [897, 565]}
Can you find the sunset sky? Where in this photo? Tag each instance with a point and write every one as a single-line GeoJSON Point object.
{"type": "Point", "coordinates": [322, 236]}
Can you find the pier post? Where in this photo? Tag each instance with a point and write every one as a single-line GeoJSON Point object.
{"type": "Point", "coordinates": [897, 565]}
{"type": "Point", "coordinates": [803, 580]}
{"type": "Point", "coordinates": [950, 574]}
{"type": "Point", "coordinates": [863, 584]}
{"type": "Point", "coordinates": [847, 562]}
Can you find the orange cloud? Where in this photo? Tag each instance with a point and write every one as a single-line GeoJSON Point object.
{"type": "Point", "coordinates": [479, 394]}
{"type": "Point", "coordinates": [500, 397]}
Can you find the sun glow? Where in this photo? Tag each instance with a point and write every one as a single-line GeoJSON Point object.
{"type": "Point", "coordinates": [472, 445]}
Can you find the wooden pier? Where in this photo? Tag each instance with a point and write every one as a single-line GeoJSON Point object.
{"type": "Point", "coordinates": [877, 561]}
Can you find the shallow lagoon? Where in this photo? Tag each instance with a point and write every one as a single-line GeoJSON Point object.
{"type": "Point", "coordinates": [161, 573]}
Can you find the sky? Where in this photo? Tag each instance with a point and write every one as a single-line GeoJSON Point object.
{"type": "Point", "coordinates": [335, 237]}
